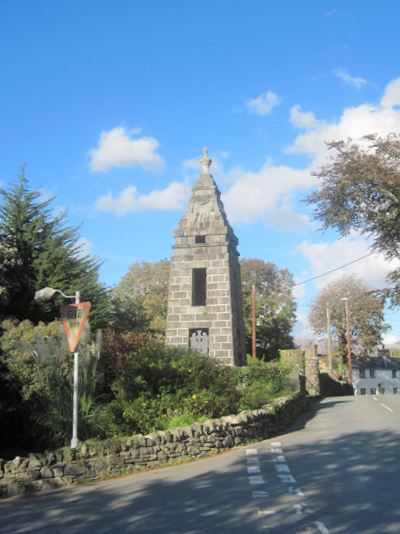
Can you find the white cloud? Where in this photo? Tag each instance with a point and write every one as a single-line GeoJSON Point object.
{"type": "Point", "coordinates": [266, 194]}
{"type": "Point", "coordinates": [353, 81]}
{"type": "Point", "coordinates": [391, 96]}
{"type": "Point", "coordinates": [354, 122]}
{"type": "Point", "coordinates": [172, 197]}
{"type": "Point", "coordinates": [119, 148]}
{"type": "Point", "coordinates": [263, 104]}
{"type": "Point", "coordinates": [302, 119]}
{"type": "Point", "coordinates": [323, 257]}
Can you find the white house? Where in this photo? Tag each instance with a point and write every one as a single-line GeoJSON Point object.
{"type": "Point", "coordinates": [377, 375]}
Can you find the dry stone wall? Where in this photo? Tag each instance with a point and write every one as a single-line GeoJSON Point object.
{"type": "Point", "coordinates": [94, 460]}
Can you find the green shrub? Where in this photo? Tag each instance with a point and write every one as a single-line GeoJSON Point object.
{"type": "Point", "coordinates": [159, 384]}
{"type": "Point", "coordinates": [260, 382]}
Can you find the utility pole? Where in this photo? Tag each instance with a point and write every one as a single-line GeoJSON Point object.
{"type": "Point", "coordinates": [349, 360]}
{"type": "Point", "coordinates": [253, 304]}
{"type": "Point", "coordinates": [329, 337]}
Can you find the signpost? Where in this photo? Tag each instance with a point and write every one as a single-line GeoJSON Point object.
{"type": "Point", "coordinates": [74, 317]}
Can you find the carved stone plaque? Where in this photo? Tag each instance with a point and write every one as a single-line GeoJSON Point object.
{"type": "Point", "coordinates": [198, 340]}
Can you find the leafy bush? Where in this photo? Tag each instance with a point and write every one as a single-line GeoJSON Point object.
{"type": "Point", "coordinates": [159, 384]}
{"type": "Point", "coordinates": [260, 382]}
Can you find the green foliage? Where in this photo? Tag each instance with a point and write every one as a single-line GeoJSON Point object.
{"type": "Point", "coordinates": [360, 190]}
{"type": "Point", "coordinates": [260, 382]}
{"type": "Point", "coordinates": [44, 252]}
{"type": "Point", "coordinates": [276, 308]}
{"type": "Point", "coordinates": [366, 315]}
{"type": "Point", "coordinates": [140, 299]}
{"type": "Point", "coordinates": [157, 384]}
{"type": "Point", "coordinates": [152, 387]}
{"type": "Point", "coordinates": [35, 360]}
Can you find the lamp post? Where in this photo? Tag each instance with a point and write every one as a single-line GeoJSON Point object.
{"type": "Point", "coordinates": [349, 359]}
{"type": "Point", "coordinates": [46, 294]}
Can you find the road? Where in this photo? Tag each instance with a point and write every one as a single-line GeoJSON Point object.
{"type": "Point", "coordinates": [336, 471]}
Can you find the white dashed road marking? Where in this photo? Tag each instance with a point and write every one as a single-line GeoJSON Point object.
{"type": "Point", "coordinates": [321, 527]}
{"type": "Point", "coordinates": [260, 494]}
{"type": "Point", "coordinates": [386, 407]}
{"type": "Point", "coordinates": [256, 480]}
{"type": "Point", "coordinates": [282, 468]}
{"type": "Point", "coordinates": [253, 470]}
{"type": "Point", "coordinates": [287, 479]}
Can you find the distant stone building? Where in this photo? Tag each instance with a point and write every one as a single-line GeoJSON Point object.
{"type": "Point", "coordinates": [205, 297]}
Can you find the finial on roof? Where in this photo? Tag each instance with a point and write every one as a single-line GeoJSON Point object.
{"type": "Point", "coordinates": [205, 162]}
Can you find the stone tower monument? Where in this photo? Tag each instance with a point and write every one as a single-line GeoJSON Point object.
{"type": "Point", "coordinates": [205, 296]}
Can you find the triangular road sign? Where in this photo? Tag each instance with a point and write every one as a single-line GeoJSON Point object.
{"type": "Point", "coordinates": [74, 317]}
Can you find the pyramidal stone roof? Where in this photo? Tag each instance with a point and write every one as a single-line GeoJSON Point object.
{"type": "Point", "coordinates": [205, 212]}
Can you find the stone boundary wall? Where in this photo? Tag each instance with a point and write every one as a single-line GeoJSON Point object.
{"type": "Point", "coordinates": [93, 460]}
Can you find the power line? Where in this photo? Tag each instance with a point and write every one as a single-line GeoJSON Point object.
{"type": "Point", "coordinates": [336, 269]}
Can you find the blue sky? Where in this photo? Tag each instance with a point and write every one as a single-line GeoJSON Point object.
{"type": "Point", "coordinates": [110, 103]}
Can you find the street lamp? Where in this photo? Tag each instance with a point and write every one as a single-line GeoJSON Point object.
{"type": "Point", "coordinates": [46, 294]}
{"type": "Point", "coordinates": [349, 359]}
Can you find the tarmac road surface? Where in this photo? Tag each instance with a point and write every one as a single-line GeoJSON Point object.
{"type": "Point", "coordinates": [336, 471]}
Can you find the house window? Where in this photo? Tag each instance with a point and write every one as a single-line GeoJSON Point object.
{"type": "Point", "coordinates": [373, 391]}
{"type": "Point", "coordinates": [372, 373]}
{"type": "Point", "coordinates": [394, 373]}
{"type": "Point", "coordinates": [363, 391]}
{"type": "Point", "coordinates": [395, 391]}
{"type": "Point", "coordinates": [199, 239]}
{"type": "Point", "coordinates": [362, 373]}
{"type": "Point", "coordinates": [199, 287]}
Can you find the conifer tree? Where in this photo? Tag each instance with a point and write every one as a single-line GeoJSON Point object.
{"type": "Point", "coordinates": [46, 252]}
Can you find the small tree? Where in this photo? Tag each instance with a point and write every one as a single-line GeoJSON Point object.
{"type": "Point", "coordinates": [140, 299]}
{"type": "Point", "coordinates": [276, 308]}
{"type": "Point", "coordinates": [366, 315]}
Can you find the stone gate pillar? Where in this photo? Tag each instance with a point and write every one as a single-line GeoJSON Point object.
{"type": "Point", "coordinates": [205, 296]}
{"type": "Point", "coordinates": [313, 386]}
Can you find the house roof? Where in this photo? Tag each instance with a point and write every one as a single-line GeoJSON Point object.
{"type": "Point", "coordinates": [376, 362]}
